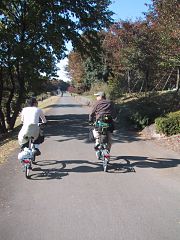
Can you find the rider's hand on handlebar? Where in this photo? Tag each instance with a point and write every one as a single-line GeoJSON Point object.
{"type": "Point", "coordinates": [42, 125]}
{"type": "Point", "coordinates": [115, 120]}
{"type": "Point", "coordinates": [91, 123]}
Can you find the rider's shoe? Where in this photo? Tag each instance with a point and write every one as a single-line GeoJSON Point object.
{"type": "Point", "coordinates": [37, 152]}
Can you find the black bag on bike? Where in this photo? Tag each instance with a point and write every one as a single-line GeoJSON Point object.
{"type": "Point", "coordinates": [40, 138]}
{"type": "Point", "coordinates": [90, 135]}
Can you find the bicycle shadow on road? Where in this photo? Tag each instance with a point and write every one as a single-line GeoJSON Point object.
{"type": "Point", "coordinates": [129, 163]}
{"type": "Point", "coordinates": [56, 169]}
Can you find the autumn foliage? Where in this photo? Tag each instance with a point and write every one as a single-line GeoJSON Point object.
{"type": "Point", "coordinates": [138, 56]}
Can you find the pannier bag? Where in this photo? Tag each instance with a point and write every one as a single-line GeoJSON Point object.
{"type": "Point", "coordinates": [105, 124]}
{"type": "Point", "coordinates": [25, 154]}
{"type": "Point", "coordinates": [91, 135]}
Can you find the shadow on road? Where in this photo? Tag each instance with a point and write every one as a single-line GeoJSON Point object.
{"type": "Point", "coordinates": [130, 162]}
{"type": "Point", "coordinates": [55, 169]}
{"type": "Point", "coordinates": [75, 126]}
{"type": "Point", "coordinates": [70, 126]}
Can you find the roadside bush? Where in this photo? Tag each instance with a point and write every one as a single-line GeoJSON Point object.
{"type": "Point", "coordinates": [169, 125]}
{"type": "Point", "coordinates": [140, 111]}
{"type": "Point", "coordinates": [139, 120]}
{"type": "Point", "coordinates": [139, 114]}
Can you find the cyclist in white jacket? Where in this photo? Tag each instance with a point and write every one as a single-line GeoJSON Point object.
{"type": "Point", "coordinates": [30, 117]}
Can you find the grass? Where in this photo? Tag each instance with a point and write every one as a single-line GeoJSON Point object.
{"type": "Point", "coordinates": [9, 143]}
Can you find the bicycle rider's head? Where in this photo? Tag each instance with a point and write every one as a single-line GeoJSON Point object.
{"type": "Point", "coordinates": [100, 95]}
{"type": "Point", "coordinates": [33, 102]}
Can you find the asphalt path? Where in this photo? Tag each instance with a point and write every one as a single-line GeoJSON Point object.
{"type": "Point", "coordinates": [69, 197]}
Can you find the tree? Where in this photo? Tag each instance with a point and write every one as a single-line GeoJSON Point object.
{"type": "Point", "coordinates": [75, 68]}
{"type": "Point", "coordinates": [164, 17]}
{"type": "Point", "coordinates": [33, 35]}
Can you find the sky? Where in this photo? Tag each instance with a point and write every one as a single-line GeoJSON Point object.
{"type": "Point", "coordinates": [123, 9]}
{"type": "Point", "coordinates": [128, 9]}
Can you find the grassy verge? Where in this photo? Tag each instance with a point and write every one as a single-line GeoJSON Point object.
{"type": "Point", "coordinates": [9, 143]}
{"type": "Point", "coordinates": [141, 111]}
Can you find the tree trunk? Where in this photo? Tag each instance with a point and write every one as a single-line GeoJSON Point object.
{"type": "Point", "coordinates": [156, 86]}
{"type": "Point", "coordinates": [129, 81]}
{"type": "Point", "coordinates": [9, 101]}
{"type": "Point", "coordinates": [178, 81]}
{"type": "Point", "coordinates": [142, 85]}
{"type": "Point", "coordinates": [167, 79]}
{"type": "Point", "coordinates": [20, 99]}
{"type": "Point", "coordinates": [3, 128]}
{"type": "Point", "coordinates": [147, 81]}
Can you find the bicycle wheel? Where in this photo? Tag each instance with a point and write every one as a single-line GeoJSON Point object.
{"type": "Point", "coordinates": [33, 158]}
{"type": "Point", "coordinates": [27, 170]}
{"type": "Point", "coordinates": [105, 163]}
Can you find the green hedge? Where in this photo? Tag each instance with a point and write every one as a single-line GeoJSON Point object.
{"type": "Point", "coordinates": [169, 125]}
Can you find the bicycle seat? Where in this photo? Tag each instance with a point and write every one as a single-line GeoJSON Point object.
{"type": "Point", "coordinates": [29, 137]}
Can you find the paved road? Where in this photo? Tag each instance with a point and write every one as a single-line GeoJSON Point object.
{"type": "Point", "coordinates": [69, 197]}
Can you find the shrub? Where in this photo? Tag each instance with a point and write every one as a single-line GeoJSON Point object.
{"type": "Point", "coordinates": [139, 120]}
{"type": "Point", "coordinates": [140, 111]}
{"type": "Point", "coordinates": [169, 125]}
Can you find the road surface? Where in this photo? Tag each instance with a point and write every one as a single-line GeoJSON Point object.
{"type": "Point", "coordinates": [69, 197]}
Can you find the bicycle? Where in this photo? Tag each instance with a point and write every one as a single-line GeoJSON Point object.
{"type": "Point", "coordinates": [28, 155]}
{"type": "Point", "coordinates": [102, 151]}
{"type": "Point", "coordinates": [103, 154]}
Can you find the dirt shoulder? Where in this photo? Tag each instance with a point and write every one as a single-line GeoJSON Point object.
{"type": "Point", "coordinates": [172, 142]}
{"type": "Point", "coordinates": [10, 143]}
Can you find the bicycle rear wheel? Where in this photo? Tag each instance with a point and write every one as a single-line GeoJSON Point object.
{"type": "Point", "coordinates": [33, 158]}
{"type": "Point", "coordinates": [27, 171]}
{"type": "Point", "coordinates": [105, 164]}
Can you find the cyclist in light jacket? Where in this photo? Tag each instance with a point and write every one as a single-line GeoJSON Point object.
{"type": "Point", "coordinates": [30, 117]}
